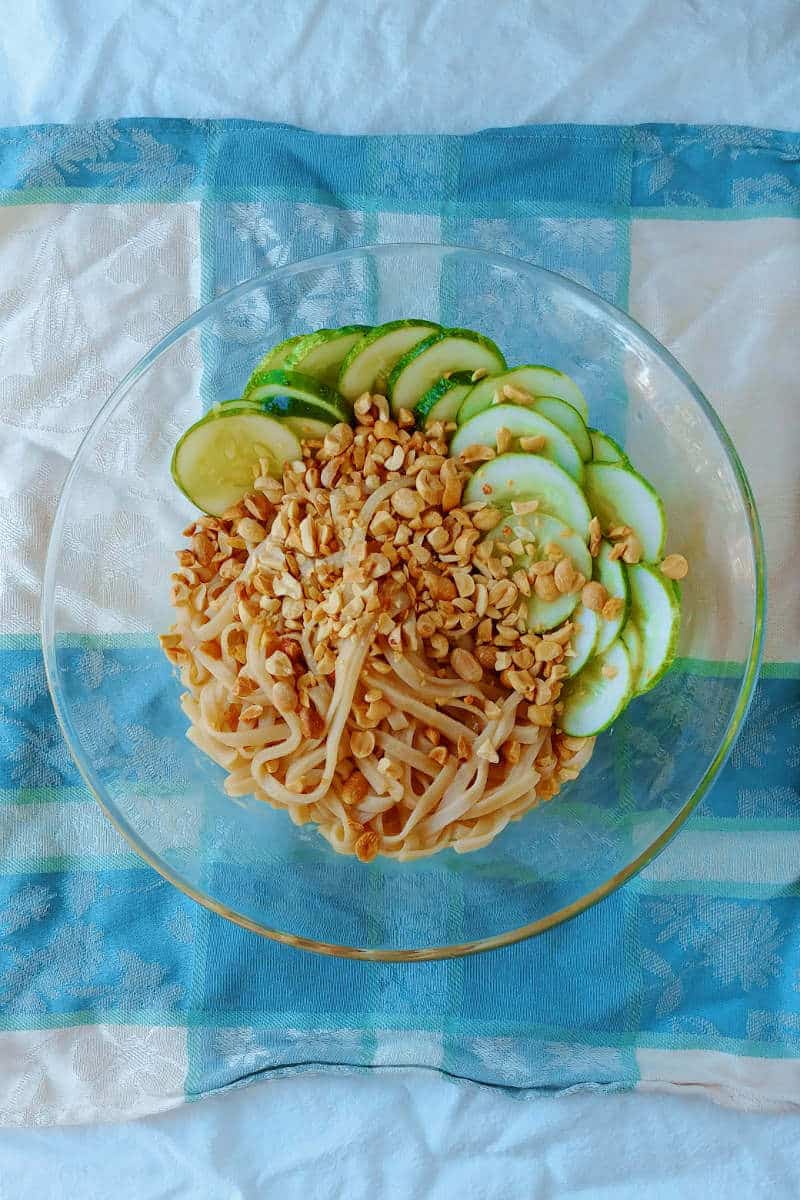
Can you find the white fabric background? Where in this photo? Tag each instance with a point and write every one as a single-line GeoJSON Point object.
{"type": "Point", "coordinates": [387, 66]}
{"type": "Point", "coordinates": [411, 1136]}
{"type": "Point", "coordinates": [404, 65]}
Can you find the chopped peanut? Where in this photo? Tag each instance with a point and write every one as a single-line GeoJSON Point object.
{"type": "Point", "coordinates": [466, 666]}
{"type": "Point", "coordinates": [545, 587]}
{"type": "Point", "coordinates": [477, 454]}
{"type": "Point", "coordinates": [487, 518]}
{"type": "Point", "coordinates": [522, 508]}
{"type": "Point", "coordinates": [595, 537]}
{"type": "Point", "coordinates": [564, 575]}
{"type": "Point", "coordinates": [514, 393]}
{"type": "Point", "coordinates": [504, 440]}
{"type": "Point", "coordinates": [547, 651]}
{"type": "Point", "coordinates": [544, 566]}
{"type": "Point", "coordinates": [594, 596]}
{"type": "Point", "coordinates": [674, 566]}
{"type": "Point", "coordinates": [362, 743]}
{"type": "Point", "coordinates": [612, 608]}
{"type": "Point", "coordinates": [541, 714]}
{"type": "Point", "coordinates": [355, 789]}
{"type": "Point", "coordinates": [632, 552]}
{"type": "Point", "coordinates": [407, 504]}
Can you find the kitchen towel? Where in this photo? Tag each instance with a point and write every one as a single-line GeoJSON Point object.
{"type": "Point", "coordinates": [118, 996]}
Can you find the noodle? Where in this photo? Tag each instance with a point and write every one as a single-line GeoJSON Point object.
{"type": "Point", "coordinates": [350, 659]}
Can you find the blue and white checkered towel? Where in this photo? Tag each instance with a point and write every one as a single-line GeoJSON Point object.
{"type": "Point", "coordinates": [118, 996]}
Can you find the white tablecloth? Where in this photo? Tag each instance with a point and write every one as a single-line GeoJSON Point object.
{"type": "Point", "coordinates": [411, 1136]}
{"type": "Point", "coordinates": [380, 66]}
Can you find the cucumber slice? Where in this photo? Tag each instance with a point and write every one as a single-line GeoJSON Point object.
{"type": "Point", "coordinates": [530, 477]}
{"type": "Point", "coordinates": [605, 449]}
{"type": "Point", "coordinates": [584, 637]}
{"type": "Point", "coordinates": [614, 578]}
{"type": "Point", "coordinates": [544, 530]}
{"type": "Point", "coordinates": [443, 400]}
{"type": "Point", "coordinates": [535, 380]}
{"type": "Point", "coordinates": [549, 614]}
{"type": "Point", "coordinates": [305, 419]}
{"type": "Point", "coordinates": [321, 354]}
{"type": "Point", "coordinates": [593, 699]}
{"type": "Point", "coordinates": [620, 496]}
{"type": "Point", "coordinates": [656, 613]}
{"type": "Point", "coordinates": [271, 384]}
{"type": "Point", "coordinates": [632, 640]}
{"type": "Point", "coordinates": [567, 418]}
{"type": "Point", "coordinates": [558, 411]}
{"type": "Point", "coordinates": [449, 350]}
{"type": "Point", "coordinates": [367, 365]}
{"type": "Point", "coordinates": [275, 357]}
{"type": "Point", "coordinates": [213, 462]}
{"type": "Point", "coordinates": [520, 422]}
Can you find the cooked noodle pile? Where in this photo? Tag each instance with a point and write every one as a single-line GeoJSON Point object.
{"type": "Point", "coordinates": [355, 650]}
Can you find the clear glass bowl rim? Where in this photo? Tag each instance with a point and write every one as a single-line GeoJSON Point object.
{"type": "Point", "coordinates": [593, 896]}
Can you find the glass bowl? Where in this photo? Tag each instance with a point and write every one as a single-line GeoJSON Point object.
{"type": "Point", "coordinates": [106, 598]}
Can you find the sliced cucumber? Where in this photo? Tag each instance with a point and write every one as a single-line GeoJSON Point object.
{"type": "Point", "coordinates": [530, 477]}
{"type": "Point", "coordinates": [605, 449]}
{"type": "Point", "coordinates": [443, 400]}
{"type": "Point", "coordinates": [305, 419]}
{"type": "Point", "coordinates": [614, 578]}
{"type": "Point", "coordinates": [632, 640]}
{"type": "Point", "coordinates": [535, 380]}
{"type": "Point", "coordinates": [543, 531]}
{"type": "Point", "coordinates": [567, 418]}
{"type": "Point", "coordinates": [562, 414]}
{"type": "Point", "coordinates": [276, 357]}
{"type": "Point", "coordinates": [520, 422]}
{"type": "Point", "coordinates": [594, 698]}
{"type": "Point", "coordinates": [584, 637]}
{"type": "Point", "coordinates": [269, 385]}
{"type": "Point", "coordinates": [321, 354]}
{"type": "Point", "coordinates": [620, 496]}
{"type": "Point", "coordinates": [367, 365]}
{"type": "Point", "coordinates": [656, 614]}
{"type": "Point", "coordinates": [450, 350]}
{"type": "Point", "coordinates": [213, 462]}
